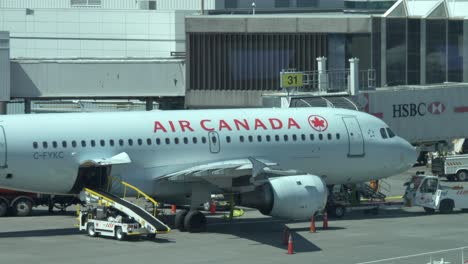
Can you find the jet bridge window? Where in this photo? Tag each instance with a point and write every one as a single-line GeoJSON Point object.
{"type": "Point", "coordinates": [44, 144]}
{"type": "Point", "coordinates": [35, 145]}
{"type": "Point", "coordinates": [102, 142]}
{"type": "Point", "coordinates": [64, 144]}
{"type": "Point", "coordinates": [390, 133]}
{"type": "Point", "coordinates": [383, 133]}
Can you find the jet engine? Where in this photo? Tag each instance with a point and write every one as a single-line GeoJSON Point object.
{"type": "Point", "coordinates": [295, 197]}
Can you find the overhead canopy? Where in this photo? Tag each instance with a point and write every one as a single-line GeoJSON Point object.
{"type": "Point", "coordinates": [431, 9]}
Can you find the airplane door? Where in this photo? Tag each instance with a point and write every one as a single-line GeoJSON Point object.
{"type": "Point", "coordinates": [355, 137]}
{"type": "Point", "coordinates": [213, 138]}
{"type": "Point", "coordinates": [3, 149]}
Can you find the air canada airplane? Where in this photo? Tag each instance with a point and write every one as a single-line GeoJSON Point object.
{"type": "Point", "coordinates": [279, 161]}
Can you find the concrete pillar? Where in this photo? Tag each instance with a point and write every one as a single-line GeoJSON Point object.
{"type": "Point", "coordinates": [149, 104]}
{"type": "Point", "coordinates": [465, 51]}
{"type": "Point", "coordinates": [27, 106]}
{"type": "Point", "coordinates": [322, 74]}
{"type": "Point", "coordinates": [383, 53]}
{"type": "Point", "coordinates": [422, 54]}
{"type": "Point", "coordinates": [354, 76]}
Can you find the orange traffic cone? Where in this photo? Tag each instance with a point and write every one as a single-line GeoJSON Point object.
{"type": "Point", "coordinates": [290, 245]}
{"type": "Point", "coordinates": [325, 220]}
{"type": "Point", "coordinates": [285, 236]}
{"type": "Point", "coordinates": [312, 225]}
{"type": "Point", "coordinates": [173, 209]}
{"type": "Point", "coordinates": [212, 208]}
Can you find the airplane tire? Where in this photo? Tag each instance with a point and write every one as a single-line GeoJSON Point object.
{"type": "Point", "coordinates": [179, 220]}
{"type": "Point", "coordinates": [195, 221]}
{"type": "Point", "coordinates": [119, 234]}
{"type": "Point", "coordinates": [3, 208]}
{"type": "Point", "coordinates": [90, 230]}
{"type": "Point", "coordinates": [22, 207]}
{"type": "Point", "coordinates": [446, 207]}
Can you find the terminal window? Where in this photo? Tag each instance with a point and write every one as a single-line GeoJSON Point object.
{"type": "Point", "coordinates": [282, 3]}
{"type": "Point", "coordinates": [230, 3]}
{"type": "Point", "coordinates": [306, 3]}
{"type": "Point", "coordinates": [85, 2]}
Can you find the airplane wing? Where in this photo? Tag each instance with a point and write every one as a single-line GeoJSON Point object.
{"type": "Point", "coordinates": [219, 173]}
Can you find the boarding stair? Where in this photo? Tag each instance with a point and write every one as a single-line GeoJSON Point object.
{"type": "Point", "coordinates": [146, 219]}
{"type": "Point", "coordinates": [374, 192]}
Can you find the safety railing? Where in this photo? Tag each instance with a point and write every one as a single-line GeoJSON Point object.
{"type": "Point", "coordinates": [140, 194]}
{"type": "Point", "coordinates": [449, 256]}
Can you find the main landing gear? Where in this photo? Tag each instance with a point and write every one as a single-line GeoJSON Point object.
{"type": "Point", "coordinates": [192, 221]}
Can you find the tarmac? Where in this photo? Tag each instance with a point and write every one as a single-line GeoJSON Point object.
{"type": "Point", "coordinates": [253, 238]}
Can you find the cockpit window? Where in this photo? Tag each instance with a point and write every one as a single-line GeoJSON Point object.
{"type": "Point", "coordinates": [390, 133]}
{"type": "Point", "coordinates": [383, 133]}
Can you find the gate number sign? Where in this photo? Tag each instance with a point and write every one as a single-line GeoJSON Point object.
{"type": "Point", "coordinates": [291, 79]}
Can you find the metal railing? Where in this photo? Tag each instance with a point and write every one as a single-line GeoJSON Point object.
{"type": "Point", "coordinates": [448, 256]}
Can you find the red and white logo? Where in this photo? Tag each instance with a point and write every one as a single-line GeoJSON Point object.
{"type": "Point", "coordinates": [436, 108]}
{"type": "Point", "coordinates": [318, 123]}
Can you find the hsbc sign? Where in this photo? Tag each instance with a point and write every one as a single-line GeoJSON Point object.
{"type": "Point", "coordinates": [421, 109]}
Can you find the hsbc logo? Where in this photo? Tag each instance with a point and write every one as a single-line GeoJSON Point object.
{"type": "Point", "coordinates": [421, 109]}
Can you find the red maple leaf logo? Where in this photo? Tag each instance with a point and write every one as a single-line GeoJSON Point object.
{"type": "Point", "coordinates": [318, 123]}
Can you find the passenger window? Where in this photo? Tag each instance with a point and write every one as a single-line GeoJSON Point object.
{"type": "Point", "coordinates": [111, 142]}
{"type": "Point", "coordinates": [241, 138]}
{"type": "Point", "coordinates": [176, 140]}
{"type": "Point", "coordinates": [54, 144]}
{"type": "Point", "coordinates": [103, 142]}
{"type": "Point", "coordinates": [329, 136]}
{"type": "Point", "coordinates": [93, 143]}
{"type": "Point", "coordinates": [259, 138]}
{"type": "Point", "coordinates": [268, 138]}
{"type": "Point", "coordinates": [228, 139]}
{"type": "Point", "coordinates": [140, 142]}
{"type": "Point", "coordinates": [121, 142]}
{"type": "Point", "coordinates": [168, 141]}
{"type": "Point", "coordinates": [64, 144]}
{"type": "Point", "coordinates": [312, 137]}
{"type": "Point", "coordinates": [320, 136]}
{"type": "Point", "coordinates": [277, 137]}
{"type": "Point", "coordinates": [383, 133]}
{"type": "Point", "coordinates": [250, 138]}
{"type": "Point", "coordinates": [130, 142]}
{"type": "Point", "coordinates": [390, 133]}
{"type": "Point", "coordinates": [83, 143]}
{"type": "Point", "coordinates": [35, 145]}
{"type": "Point", "coordinates": [158, 141]}
{"type": "Point", "coordinates": [294, 137]}
{"type": "Point", "coordinates": [337, 136]}
{"type": "Point", "coordinates": [185, 140]}
{"type": "Point", "coordinates": [214, 140]}
{"type": "Point", "coordinates": [303, 137]}
{"type": "Point", "coordinates": [194, 140]}
{"type": "Point", "coordinates": [74, 143]}
{"type": "Point", "coordinates": [285, 137]}
{"type": "Point", "coordinates": [148, 141]}
{"type": "Point", "coordinates": [203, 140]}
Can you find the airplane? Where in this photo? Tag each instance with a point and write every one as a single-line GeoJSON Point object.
{"type": "Point", "coordinates": [279, 161]}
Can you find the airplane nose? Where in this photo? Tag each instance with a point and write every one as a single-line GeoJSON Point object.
{"type": "Point", "coordinates": [409, 154]}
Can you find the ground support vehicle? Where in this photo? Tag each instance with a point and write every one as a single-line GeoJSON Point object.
{"type": "Point", "coordinates": [453, 167]}
{"type": "Point", "coordinates": [426, 191]}
{"type": "Point", "coordinates": [107, 221]}
{"type": "Point", "coordinates": [21, 203]}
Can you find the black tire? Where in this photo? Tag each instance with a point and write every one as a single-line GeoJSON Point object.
{"type": "Point", "coordinates": [195, 222]}
{"type": "Point", "coordinates": [179, 220]}
{"type": "Point", "coordinates": [339, 211]}
{"type": "Point", "coordinates": [3, 208]}
{"type": "Point", "coordinates": [446, 207]}
{"type": "Point", "coordinates": [429, 210]}
{"type": "Point", "coordinates": [151, 236]}
{"type": "Point", "coordinates": [462, 175]}
{"type": "Point", "coordinates": [90, 230]}
{"type": "Point", "coordinates": [22, 207]}
{"type": "Point", "coordinates": [119, 234]}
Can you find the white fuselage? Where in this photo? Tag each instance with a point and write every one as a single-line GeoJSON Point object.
{"type": "Point", "coordinates": [341, 146]}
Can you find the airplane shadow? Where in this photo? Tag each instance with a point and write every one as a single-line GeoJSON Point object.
{"type": "Point", "coordinates": [41, 233]}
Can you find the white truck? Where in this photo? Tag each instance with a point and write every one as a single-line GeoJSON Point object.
{"type": "Point", "coordinates": [426, 191]}
{"type": "Point", "coordinates": [107, 221]}
{"type": "Point", "coordinates": [454, 167]}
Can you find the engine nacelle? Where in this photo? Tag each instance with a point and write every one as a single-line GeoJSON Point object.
{"type": "Point", "coordinates": [295, 197]}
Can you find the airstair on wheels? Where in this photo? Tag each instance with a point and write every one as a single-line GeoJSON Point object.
{"type": "Point", "coordinates": [138, 213]}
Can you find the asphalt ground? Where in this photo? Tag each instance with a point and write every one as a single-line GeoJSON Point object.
{"type": "Point", "coordinates": [253, 238]}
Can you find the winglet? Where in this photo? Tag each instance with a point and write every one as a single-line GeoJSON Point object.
{"type": "Point", "coordinates": [257, 168]}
